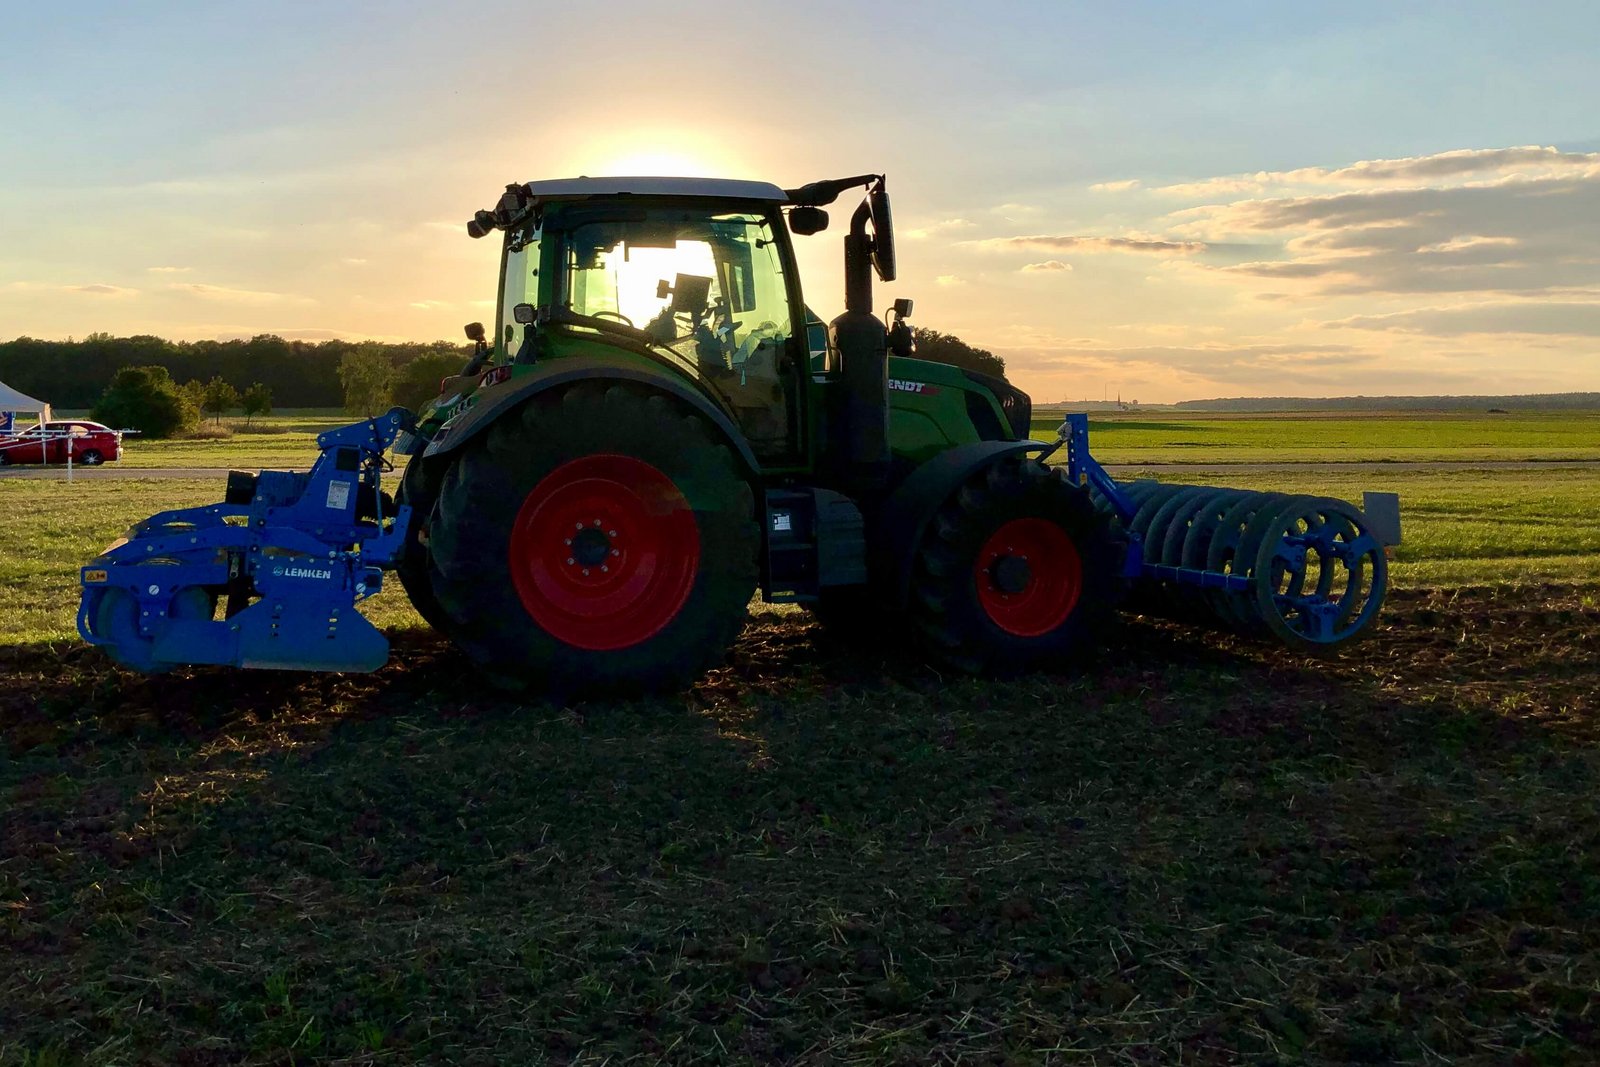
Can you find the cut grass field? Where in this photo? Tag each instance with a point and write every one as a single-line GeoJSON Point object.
{"type": "Point", "coordinates": [289, 439]}
{"type": "Point", "coordinates": [1191, 848]}
{"type": "Point", "coordinates": [1340, 437]}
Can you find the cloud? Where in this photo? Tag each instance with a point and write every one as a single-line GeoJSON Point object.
{"type": "Point", "coordinates": [1432, 169]}
{"type": "Point", "coordinates": [933, 229]}
{"type": "Point", "coordinates": [1123, 186]}
{"type": "Point", "coordinates": [1261, 369]}
{"type": "Point", "coordinates": [949, 280]}
{"type": "Point", "coordinates": [102, 290]}
{"type": "Point", "coordinates": [1054, 243]}
{"type": "Point", "coordinates": [1049, 266]}
{"type": "Point", "coordinates": [223, 294]}
{"type": "Point", "coordinates": [169, 270]}
{"type": "Point", "coordinates": [1515, 235]}
{"type": "Point", "coordinates": [1573, 319]}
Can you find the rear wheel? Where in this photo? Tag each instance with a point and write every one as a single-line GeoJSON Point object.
{"type": "Point", "coordinates": [1016, 571]}
{"type": "Point", "coordinates": [91, 458]}
{"type": "Point", "coordinates": [597, 541]}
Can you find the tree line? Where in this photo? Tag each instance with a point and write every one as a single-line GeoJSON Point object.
{"type": "Point", "coordinates": [297, 374]}
{"type": "Point", "coordinates": [163, 387]}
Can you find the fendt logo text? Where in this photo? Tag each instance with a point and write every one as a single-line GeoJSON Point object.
{"type": "Point", "coordinates": [898, 385]}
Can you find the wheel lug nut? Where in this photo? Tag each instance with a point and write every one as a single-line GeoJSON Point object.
{"type": "Point", "coordinates": [616, 552]}
{"type": "Point", "coordinates": [586, 572]}
{"type": "Point", "coordinates": [604, 569]}
{"type": "Point", "coordinates": [568, 541]}
{"type": "Point", "coordinates": [611, 533]}
{"type": "Point", "coordinates": [570, 561]}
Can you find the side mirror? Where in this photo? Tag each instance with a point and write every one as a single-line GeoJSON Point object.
{"type": "Point", "coordinates": [523, 314]}
{"type": "Point", "coordinates": [806, 221]}
{"type": "Point", "coordinates": [882, 232]}
{"type": "Point", "coordinates": [475, 332]}
{"type": "Point", "coordinates": [902, 308]}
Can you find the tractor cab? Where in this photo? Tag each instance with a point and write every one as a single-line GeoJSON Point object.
{"type": "Point", "coordinates": [694, 278]}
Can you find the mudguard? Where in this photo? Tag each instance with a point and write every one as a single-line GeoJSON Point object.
{"type": "Point", "coordinates": [896, 528]}
{"type": "Point", "coordinates": [499, 399]}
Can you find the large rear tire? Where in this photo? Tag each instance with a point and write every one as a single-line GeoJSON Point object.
{"type": "Point", "coordinates": [597, 541]}
{"type": "Point", "coordinates": [419, 488]}
{"type": "Point", "coordinates": [1017, 571]}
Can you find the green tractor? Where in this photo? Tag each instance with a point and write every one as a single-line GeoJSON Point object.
{"type": "Point", "coordinates": [653, 432]}
{"type": "Point", "coordinates": [657, 427]}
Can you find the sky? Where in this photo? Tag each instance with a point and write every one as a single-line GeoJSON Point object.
{"type": "Point", "coordinates": [1161, 201]}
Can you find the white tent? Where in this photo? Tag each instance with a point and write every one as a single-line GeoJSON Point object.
{"type": "Point", "coordinates": [12, 402]}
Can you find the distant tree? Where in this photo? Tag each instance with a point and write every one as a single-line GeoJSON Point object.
{"type": "Point", "coordinates": [418, 381]}
{"type": "Point", "coordinates": [257, 400]}
{"type": "Point", "coordinates": [218, 398]}
{"type": "Point", "coordinates": [367, 375]}
{"type": "Point", "coordinates": [148, 400]}
{"type": "Point", "coordinates": [948, 348]}
{"type": "Point", "coordinates": [195, 391]}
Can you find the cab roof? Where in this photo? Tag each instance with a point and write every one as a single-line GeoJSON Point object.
{"type": "Point", "coordinates": [719, 188]}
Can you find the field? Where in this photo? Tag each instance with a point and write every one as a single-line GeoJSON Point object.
{"type": "Point", "coordinates": [1190, 848]}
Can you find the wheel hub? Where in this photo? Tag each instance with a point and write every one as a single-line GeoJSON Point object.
{"type": "Point", "coordinates": [1010, 574]}
{"type": "Point", "coordinates": [591, 547]}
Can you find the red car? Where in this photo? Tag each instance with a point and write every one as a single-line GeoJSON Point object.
{"type": "Point", "coordinates": [91, 444]}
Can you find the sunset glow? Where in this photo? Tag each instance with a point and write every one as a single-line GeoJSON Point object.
{"type": "Point", "coordinates": [1311, 203]}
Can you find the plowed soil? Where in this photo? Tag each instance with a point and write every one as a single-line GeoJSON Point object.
{"type": "Point", "coordinates": [1190, 848]}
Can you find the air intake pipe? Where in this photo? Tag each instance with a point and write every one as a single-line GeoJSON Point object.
{"type": "Point", "coordinates": [860, 415]}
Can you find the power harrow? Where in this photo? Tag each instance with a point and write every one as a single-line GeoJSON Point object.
{"type": "Point", "coordinates": [287, 555]}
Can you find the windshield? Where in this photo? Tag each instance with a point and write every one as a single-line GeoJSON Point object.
{"type": "Point", "coordinates": [711, 289]}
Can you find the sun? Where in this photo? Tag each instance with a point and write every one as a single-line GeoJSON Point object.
{"type": "Point", "coordinates": [657, 164]}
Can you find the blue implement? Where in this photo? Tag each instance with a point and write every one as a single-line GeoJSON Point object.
{"type": "Point", "coordinates": [286, 557]}
{"type": "Point", "coordinates": [1309, 571]}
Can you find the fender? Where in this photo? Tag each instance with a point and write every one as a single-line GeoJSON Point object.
{"type": "Point", "coordinates": [569, 369]}
{"type": "Point", "coordinates": [900, 521]}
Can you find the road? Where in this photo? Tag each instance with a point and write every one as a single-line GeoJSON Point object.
{"type": "Point", "coordinates": [1164, 469]}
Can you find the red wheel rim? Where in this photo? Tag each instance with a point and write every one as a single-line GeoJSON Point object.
{"type": "Point", "coordinates": [604, 552]}
{"type": "Point", "coordinates": [1029, 577]}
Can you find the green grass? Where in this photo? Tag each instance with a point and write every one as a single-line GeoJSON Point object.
{"type": "Point", "coordinates": [275, 441]}
{"type": "Point", "coordinates": [1337, 437]}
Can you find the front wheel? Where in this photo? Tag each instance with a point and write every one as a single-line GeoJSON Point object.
{"type": "Point", "coordinates": [597, 541]}
{"type": "Point", "coordinates": [1017, 571]}
{"type": "Point", "coordinates": [91, 458]}
{"type": "Point", "coordinates": [419, 488]}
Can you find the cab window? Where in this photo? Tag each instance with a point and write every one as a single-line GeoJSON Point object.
{"type": "Point", "coordinates": [712, 294]}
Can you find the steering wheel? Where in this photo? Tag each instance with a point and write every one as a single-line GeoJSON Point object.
{"type": "Point", "coordinates": [611, 315]}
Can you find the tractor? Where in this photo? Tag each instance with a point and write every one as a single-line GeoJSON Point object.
{"type": "Point", "coordinates": [656, 427]}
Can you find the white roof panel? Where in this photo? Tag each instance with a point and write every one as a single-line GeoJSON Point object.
{"type": "Point", "coordinates": [12, 400]}
{"type": "Point", "coordinates": [721, 188]}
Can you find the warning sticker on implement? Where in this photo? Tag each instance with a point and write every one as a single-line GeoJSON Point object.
{"type": "Point", "coordinates": [94, 576]}
{"type": "Point", "coordinates": [338, 495]}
